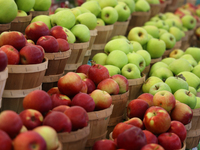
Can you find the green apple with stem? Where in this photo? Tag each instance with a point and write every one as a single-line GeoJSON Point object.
{"type": "Point", "coordinates": [142, 6]}
{"type": "Point", "coordinates": [109, 15]}
{"type": "Point", "coordinates": [156, 66]}
{"type": "Point", "coordinates": [21, 13]}
{"type": "Point", "coordinates": [81, 32]}
{"type": "Point", "coordinates": [176, 53]}
{"type": "Point", "coordinates": [123, 11]}
{"type": "Point", "coordinates": [100, 58]}
{"type": "Point", "coordinates": [169, 40]}
{"type": "Point", "coordinates": [163, 73]}
{"type": "Point", "coordinates": [145, 55]}
{"type": "Point", "coordinates": [130, 4]}
{"type": "Point", "coordinates": [168, 60]}
{"type": "Point", "coordinates": [189, 21]}
{"type": "Point", "coordinates": [190, 59]}
{"type": "Point", "coordinates": [160, 86]}
{"type": "Point", "coordinates": [100, 22]}
{"type": "Point", "coordinates": [131, 71]}
{"type": "Point", "coordinates": [152, 30]}
{"type": "Point", "coordinates": [176, 32]}
{"type": "Point", "coordinates": [42, 5]}
{"type": "Point", "coordinates": [93, 7]}
{"type": "Point", "coordinates": [193, 90]}
{"type": "Point", "coordinates": [196, 70]}
{"type": "Point", "coordinates": [113, 70]}
{"type": "Point", "coordinates": [136, 46]}
{"type": "Point", "coordinates": [25, 5]}
{"type": "Point", "coordinates": [149, 82]}
{"type": "Point", "coordinates": [44, 18]}
{"type": "Point", "coordinates": [194, 51]}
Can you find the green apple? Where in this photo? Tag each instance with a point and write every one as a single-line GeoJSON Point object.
{"type": "Point", "coordinates": [154, 19]}
{"type": "Point", "coordinates": [162, 25]}
{"type": "Point", "coordinates": [113, 70]}
{"type": "Point", "coordinates": [156, 66]}
{"type": "Point", "coordinates": [117, 58]}
{"type": "Point", "coordinates": [106, 3]}
{"type": "Point", "coordinates": [88, 19]}
{"type": "Point", "coordinates": [160, 86]}
{"type": "Point", "coordinates": [93, 7]}
{"type": "Point", "coordinates": [145, 55]}
{"type": "Point", "coordinates": [70, 36]}
{"type": "Point", "coordinates": [161, 16]}
{"type": "Point", "coordinates": [176, 53]}
{"type": "Point", "coordinates": [170, 22]}
{"type": "Point", "coordinates": [42, 5]}
{"type": "Point", "coordinates": [153, 1]}
{"type": "Point", "coordinates": [153, 23]}
{"type": "Point", "coordinates": [193, 90]}
{"type": "Point", "coordinates": [100, 22]}
{"type": "Point", "coordinates": [178, 23]}
{"type": "Point", "coordinates": [82, 9]}
{"type": "Point", "coordinates": [21, 13]}
{"type": "Point", "coordinates": [123, 11]}
{"type": "Point", "coordinates": [169, 40]}
{"type": "Point", "coordinates": [168, 60]}
{"type": "Point", "coordinates": [25, 5]}
{"type": "Point", "coordinates": [197, 106]}
{"type": "Point", "coordinates": [81, 32]}
{"type": "Point", "coordinates": [191, 79]}
{"type": "Point", "coordinates": [118, 44]}
{"type": "Point", "coordinates": [109, 15]}
{"type": "Point", "coordinates": [119, 37]}
{"type": "Point", "coordinates": [60, 9]}
{"type": "Point", "coordinates": [179, 65]}
{"type": "Point", "coordinates": [149, 82]}
{"type": "Point", "coordinates": [8, 11]}
{"type": "Point", "coordinates": [142, 6]}
{"type": "Point", "coordinates": [162, 31]}
{"type": "Point", "coordinates": [44, 18]}
{"type": "Point", "coordinates": [138, 34]}
{"type": "Point", "coordinates": [163, 73]}
{"type": "Point", "coordinates": [64, 18]}
{"type": "Point", "coordinates": [137, 59]}
{"type": "Point", "coordinates": [196, 70]}
{"type": "Point", "coordinates": [156, 48]}
{"type": "Point", "coordinates": [152, 30]}
{"type": "Point", "coordinates": [130, 4]}
{"type": "Point", "coordinates": [190, 59]}
{"type": "Point", "coordinates": [76, 12]}
{"type": "Point", "coordinates": [176, 32]}
{"type": "Point", "coordinates": [136, 46]}
{"type": "Point", "coordinates": [100, 58]}
{"type": "Point", "coordinates": [131, 71]}
{"type": "Point", "coordinates": [186, 97]}
{"type": "Point", "coordinates": [194, 51]}
{"type": "Point", "coordinates": [177, 82]}
{"type": "Point", "coordinates": [188, 21]}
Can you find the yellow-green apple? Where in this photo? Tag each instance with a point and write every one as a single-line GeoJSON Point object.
{"type": "Point", "coordinates": [177, 82]}
{"type": "Point", "coordinates": [12, 55]}
{"type": "Point", "coordinates": [29, 41]}
{"type": "Point", "coordinates": [156, 66]}
{"type": "Point", "coordinates": [58, 121]}
{"type": "Point", "coordinates": [162, 31]}
{"type": "Point", "coordinates": [44, 18]}
{"type": "Point", "coordinates": [42, 5]}
{"type": "Point", "coordinates": [169, 141]}
{"type": "Point", "coordinates": [31, 54]}
{"type": "Point", "coordinates": [151, 138]}
{"type": "Point", "coordinates": [31, 139]}
{"type": "Point", "coordinates": [82, 9]}
{"type": "Point", "coordinates": [84, 100]}
{"type": "Point", "coordinates": [195, 70]}
{"type": "Point", "coordinates": [157, 120]}
{"type": "Point", "coordinates": [182, 112]}
{"type": "Point", "coordinates": [123, 11]}
{"type": "Point", "coordinates": [53, 90]}
{"type": "Point", "coordinates": [152, 146]}
{"type": "Point", "coordinates": [75, 11]}
{"type": "Point", "coordinates": [142, 6]}
{"type": "Point", "coordinates": [167, 60]}
{"type": "Point", "coordinates": [90, 85]}
{"type": "Point", "coordinates": [84, 68]}
{"type": "Point", "coordinates": [161, 24]}
{"type": "Point", "coordinates": [135, 121]}
{"type": "Point", "coordinates": [197, 32]}
{"type": "Point", "coordinates": [70, 36]}
{"type": "Point", "coordinates": [131, 71]}
{"type": "Point", "coordinates": [49, 135]}
{"type": "Point", "coordinates": [164, 99]}
{"type": "Point", "coordinates": [149, 82]}
{"type": "Point", "coordinates": [137, 108]}
{"type": "Point", "coordinates": [10, 126]}
{"type": "Point", "coordinates": [35, 30]}
{"type": "Point", "coordinates": [21, 13]}
{"type": "Point", "coordinates": [193, 51]}
{"type": "Point", "coordinates": [60, 99]}
{"type": "Point", "coordinates": [180, 65]}
{"type": "Point", "coordinates": [105, 3]}
{"type": "Point", "coordinates": [163, 73]}
{"type": "Point", "coordinates": [70, 84]}
{"type": "Point", "coordinates": [58, 32]}
{"type": "Point", "coordinates": [179, 129]}
{"type": "Point", "coordinates": [104, 144]}
{"type": "Point", "coordinates": [192, 90]}
{"type": "Point", "coordinates": [136, 141]}
{"type": "Point", "coordinates": [100, 22]}
{"type": "Point", "coordinates": [176, 32]}
{"type": "Point", "coordinates": [136, 46]}
{"type": "Point", "coordinates": [146, 97]}
{"type": "Point", "coordinates": [176, 53]}
{"type": "Point", "coordinates": [63, 45]}
{"type": "Point", "coordinates": [3, 60]}
{"type": "Point", "coordinates": [81, 32]}
{"type": "Point", "coordinates": [145, 55]}
{"type": "Point", "coordinates": [100, 58]}
{"type": "Point", "coordinates": [82, 75]}
{"type": "Point", "coordinates": [160, 86]}
{"type": "Point", "coordinates": [119, 37]}
{"type": "Point", "coordinates": [31, 118]}
{"type": "Point", "coordinates": [97, 73]}
{"type": "Point", "coordinates": [101, 98]}
{"type": "Point", "coordinates": [189, 21]}
{"type": "Point", "coordinates": [190, 59]}
{"type": "Point", "coordinates": [122, 82]}
{"type": "Point", "coordinates": [60, 108]}
{"type": "Point", "coordinates": [113, 70]}
{"type": "Point", "coordinates": [138, 34]}
{"type": "Point", "coordinates": [93, 7]}
{"type": "Point", "coordinates": [130, 4]}
{"type": "Point", "coordinates": [38, 100]}
{"type": "Point", "coordinates": [109, 15]}
{"type": "Point", "coordinates": [198, 103]}
{"type": "Point", "coordinates": [78, 116]}
{"type": "Point", "coordinates": [6, 141]}
{"type": "Point", "coordinates": [169, 40]}
{"type": "Point", "coordinates": [152, 30]}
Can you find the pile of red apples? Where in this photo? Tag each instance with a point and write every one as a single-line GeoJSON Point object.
{"type": "Point", "coordinates": [31, 47]}
{"type": "Point", "coordinates": [153, 122]}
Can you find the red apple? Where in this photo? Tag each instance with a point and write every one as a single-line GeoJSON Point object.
{"type": "Point", "coordinates": [31, 139]}
{"type": "Point", "coordinates": [58, 121]}
{"type": "Point", "coordinates": [151, 138]}
{"type": "Point", "coordinates": [102, 99]}
{"type": "Point", "coordinates": [84, 100]}
{"type": "Point", "coordinates": [60, 99]}
{"type": "Point", "coordinates": [31, 55]}
{"type": "Point", "coordinates": [61, 108]}
{"type": "Point", "coordinates": [152, 146]}
{"type": "Point", "coordinates": [53, 90]}
{"type": "Point", "coordinates": [35, 30]}
{"type": "Point", "coordinates": [31, 118]}
{"type": "Point", "coordinates": [49, 43]}
{"type": "Point", "coordinates": [109, 85]}
{"type": "Point", "coordinates": [137, 108]}
{"type": "Point", "coordinates": [12, 54]}
{"type": "Point", "coordinates": [83, 69]}
{"type": "Point", "coordinates": [90, 85]}
{"type": "Point", "coordinates": [58, 32]}
{"type": "Point", "coordinates": [38, 100]}
{"type": "Point", "coordinates": [147, 97]}
{"type": "Point", "coordinates": [70, 84]}
{"type": "Point", "coordinates": [78, 116]}
{"type": "Point", "coordinates": [157, 120]}
{"type": "Point", "coordinates": [169, 141]}
{"type": "Point", "coordinates": [133, 138]}
{"type": "Point", "coordinates": [63, 45]}
{"type": "Point", "coordinates": [122, 82]}
{"type": "Point", "coordinates": [182, 113]}
{"type": "Point", "coordinates": [41, 48]}
{"type": "Point", "coordinates": [5, 141]}
{"type": "Point", "coordinates": [10, 122]}
{"type": "Point", "coordinates": [136, 122]}
{"type": "Point", "coordinates": [14, 38]}
{"type": "Point", "coordinates": [164, 99]}
{"type": "Point", "coordinates": [97, 73]}
{"type": "Point", "coordinates": [3, 60]}
{"type": "Point", "coordinates": [104, 144]}
{"type": "Point", "coordinates": [84, 87]}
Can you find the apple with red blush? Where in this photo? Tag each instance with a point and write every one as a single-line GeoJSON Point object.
{"type": "Point", "coordinates": [6, 141]}
{"type": "Point", "coordinates": [136, 122]}
{"type": "Point", "coordinates": [84, 87]}
{"type": "Point", "coordinates": [83, 69]}
{"type": "Point", "coordinates": [122, 81]}
{"type": "Point", "coordinates": [151, 138]}
{"type": "Point", "coordinates": [90, 85]}
{"type": "Point", "coordinates": [60, 108]}
{"type": "Point", "coordinates": [152, 146]}
{"type": "Point", "coordinates": [63, 45]}
{"type": "Point", "coordinates": [147, 97]}
{"type": "Point", "coordinates": [82, 75]}
{"type": "Point", "coordinates": [53, 90]}
{"type": "Point", "coordinates": [58, 32]}
{"type": "Point", "coordinates": [104, 144]}
{"type": "Point", "coordinates": [3, 60]}
{"type": "Point", "coordinates": [60, 99]}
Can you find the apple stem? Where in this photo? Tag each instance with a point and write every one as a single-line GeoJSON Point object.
{"type": "Point", "coordinates": [156, 87]}
{"type": "Point", "coordinates": [93, 62]}
{"type": "Point", "coordinates": [180, 76]}
{"type": "Point", "coordinates": [187, 92]}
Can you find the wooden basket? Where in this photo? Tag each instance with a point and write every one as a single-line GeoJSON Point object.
{"type": "Point", "coordinates": [103, 36]}
{"type": "Point", "coordinates": [93, 34]}
{"type": "Point", "coordinates": [76, 57]}
{"type": "Point", "coordinates": [184, 43]}
{"type": "Point", "coordinates": [146, 71]}
{"type": "Point", "coordinates": [60, 147]}
{"type": "Point", "coordinates": [5, 27]}
{"type": "Point", "coordinates": [153, 61]}
{"type": "Point", "coordinates": [75, 140]}
{"type": "Point", "coordinates": [55, 70]}
{"type": "Point", "coordinates": [3, 78]}
{"type": "Point", "coordinates": [193, 135]}
{"type": "Point", "coordinates": [177, 45]}
{"type": "Point", "coordinates": [172, 5]}
{"type": "Point", "coordinates": [119, 102]}
{"type": "Point", "coordinates": [163, 7]}
{"type": "Point", "coordinates": [20, 23]}
{"type": "Point", "coordinates": [98, 125]}
{"type": "Point", "coordinates": [37, 13]}
{"type": "Point", "coordinates": [22, 79]}
{"type": "Point", "coordinates": [155, 9]}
